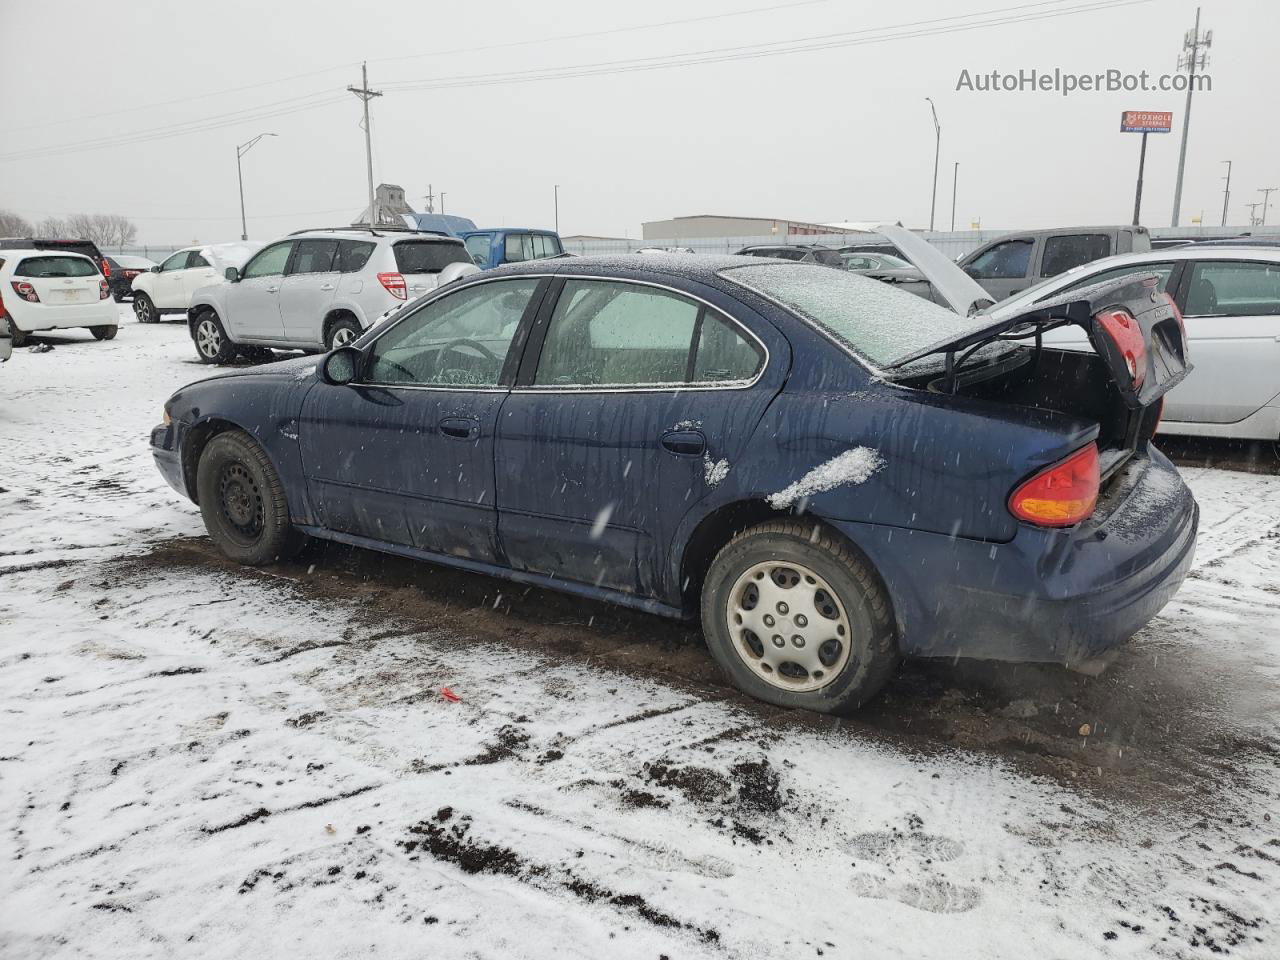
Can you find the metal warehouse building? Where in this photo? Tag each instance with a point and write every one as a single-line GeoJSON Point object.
{"type": "Point", "coordinates": [708, 225]}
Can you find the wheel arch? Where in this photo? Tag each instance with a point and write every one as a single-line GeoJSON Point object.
{"type": "Point", "coordinates": [333, 315]}
{"type": "Point", "coordinates": [198, 436]}
{"type": "Point", "coordinates": [721, 525]}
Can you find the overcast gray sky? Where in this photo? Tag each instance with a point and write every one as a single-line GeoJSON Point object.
{"type": "Point", "coordinates": [833, 134]}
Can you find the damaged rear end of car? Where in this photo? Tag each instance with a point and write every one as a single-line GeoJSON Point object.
{"type": "Point", "coordinates": [1102, 527]}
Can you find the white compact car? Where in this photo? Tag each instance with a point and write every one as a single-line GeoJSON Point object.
{"type": "Point", "coordinates": [1230, 303]}
{"type": "Point", "coordinates": [319, 289]}
{"type": "Point", "coordinates": [169, 287]}
{"type": "Point", "coordinates": [48, 290]}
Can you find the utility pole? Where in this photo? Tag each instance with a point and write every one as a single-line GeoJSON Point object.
{"type": "Point", "coordinates": [557, 208]}
{"type": "Point", "coordinates": [431, 200]}
{"type": "Point", "coordinates": [1226, 192]}
{"type": "Point", "coordinates": [1253, 213]}
{"type": "Point", "coordinates": [1266, 202]}
{"type": "Point", "coordinates": [1194, 43]}
{"type": "Point", "coordinates": [241, 150]}
{"type": "Point", "coordinates": [442, 203]}
{"type": "Point", "coordinates": [937, 152]}
{"type": "Point", "coordinates": [955, 179]}
{"type": "Point", "coordinates": [365, 94]}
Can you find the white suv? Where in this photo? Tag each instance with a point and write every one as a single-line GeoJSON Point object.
{"type": "Point", "coordinates": [53, 290]}
{"type": "Point", "coordinates": [320, 289]}
{"type": "Point", "coordinates": [169, 287]}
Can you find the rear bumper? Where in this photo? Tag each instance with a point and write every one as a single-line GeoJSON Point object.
{"type": "Point", "coordinates": [48, 317]}
{"type": "Point", "coordinates": [1050, 596]}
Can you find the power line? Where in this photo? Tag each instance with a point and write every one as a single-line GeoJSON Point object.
{"type": "Point", "coordinates": [430, 54]}
{"type": "Point", "coordinates": [938, 26]}
{"type": "Point", "coordinates": [770, 49]}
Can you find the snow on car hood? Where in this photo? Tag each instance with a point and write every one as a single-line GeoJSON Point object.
{"type": "Point", "coordinates": [963, 294]}
{"type": "Point", "coordinates": [236, 254]}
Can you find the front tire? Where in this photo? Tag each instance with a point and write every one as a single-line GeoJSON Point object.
{"type": "Point", "coordinates": [144, 309]}
{"type": "Point", "coordinates": [212, 345]}
{"type": "Point", "coordinates": [798, 619]}
{"type": "Point", "coordinates": [242, 502]}
{"type": "Point", "coordinates": [104, 332]}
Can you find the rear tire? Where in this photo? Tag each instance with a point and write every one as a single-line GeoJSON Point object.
{"type": "Point", "coordinates": [798, 619]}
{"type": "Point", "coordinates": [20, 337]}
{"type": "Point", "coordinates": [144, 309]}
{"type": "Point", "coordinates": [341, 332]}
{"type": "Point", "coordinates": [104, 332]}
{"type": "Point", "coordinates": [212, 345]}
{"type": "Point", "coordinates": [242, 502]}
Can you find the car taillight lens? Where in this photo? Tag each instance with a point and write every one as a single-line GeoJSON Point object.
{"type": "Point", "coordinates": [395, 285]}
{"type": "Point", "coordinates": [1126, 334]}
{"type": "Point", "coordinates": [130, 274]}
{"type": "Point", "coordinates": [26, 291]}
{"type": "Point", "coordinates": [106, 268]}
{"type": "Point", "coordinates": [1062, 494]}
{"type": "Point", "coordinates": [104, 289]}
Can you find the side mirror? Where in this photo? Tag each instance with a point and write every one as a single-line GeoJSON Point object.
{"type": "Point", "coordinates": [232, 274]}
{"type": "Point", "coordinates": [341, 366]}
{"type": "Point", "coordinates": [156, 268]}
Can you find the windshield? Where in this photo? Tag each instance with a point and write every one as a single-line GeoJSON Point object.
{"type": "Point", "coordinates": [428, 256]}
{"type": "Point", "coordinates": [868, 316]}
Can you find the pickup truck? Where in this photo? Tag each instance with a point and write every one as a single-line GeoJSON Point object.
{"type": "Point", "coordinates": [498, 245]}
{"type": "Point", "coordinates": [1011, 263]}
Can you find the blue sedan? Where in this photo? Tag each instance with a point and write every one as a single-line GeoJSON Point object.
{"type": "Point", "coordinates": [831, 473]}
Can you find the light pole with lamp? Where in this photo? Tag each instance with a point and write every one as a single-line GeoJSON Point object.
{"type": "Point", "coordinates": [241, 150]}
{"type": "Point", "coordinates": [937, 153]}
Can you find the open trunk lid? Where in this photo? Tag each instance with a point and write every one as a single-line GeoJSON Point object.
{"type": "Point", "coordinates": [1133, 327]}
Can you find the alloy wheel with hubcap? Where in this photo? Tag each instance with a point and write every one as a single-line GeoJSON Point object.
{"type": "Point", "coordinates": [788, 626]}
{"type": "Point", "coordinates": [212, 344]}
{"type": "Point", "coordinates": [797, 617]}
{"type": "Point", "coordinates": [143, 309]}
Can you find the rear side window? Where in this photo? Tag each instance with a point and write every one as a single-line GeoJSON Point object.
{"type": "Point", "coordinates": [314, 256]}
{"type": "Point", "coordinates": [619, 334]}
{"type": "Point", "coordinates": [196, 260]}
{"type": "Point", "coordinates": [1233, 288]}
{"type": "Point", "coordinates": [545, 246]}
{"type": "Point", "coordinates": [828, 258]}
{"type": "Point", "coordinates": [869, 317]}
{"type": "Point", "coordinates": [1161, 270]}
{"type": "Point", "coordinates": [1063, 253]}
{"type": "Point", "coordinates": [428, 256]}
{"type": "Point", "coordinates": [1008, 260]}
{"type": "Point", "coordinates": [353, 255]}
{"type": "Point", "coordinates": [54, 266]}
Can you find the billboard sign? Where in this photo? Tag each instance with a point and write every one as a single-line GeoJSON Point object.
{"type": "Point", "coordinates": [1146, 121]}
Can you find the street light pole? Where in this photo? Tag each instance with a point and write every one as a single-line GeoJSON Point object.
{"type": "Point", "coordinates": [955, 179]}
{"type": "Point", "coordinates": [557, 209]}
{"type": "Point", "coordinates": [442, 203]}
{"type": "Point", "coordinates": [241, 150]}
{"type": "Point", "coordinates": [937, 153]}
{"type": "Point", "coordinates": [1226, 192]}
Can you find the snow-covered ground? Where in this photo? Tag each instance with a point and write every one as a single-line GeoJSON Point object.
{"type": "Point", "coordinates": [200, 761]}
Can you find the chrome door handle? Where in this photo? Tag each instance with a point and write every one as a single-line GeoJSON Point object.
{"type": "Point", "coordinates": [272, 289]}
{"type": "Point", "coordinates": [326, 286]}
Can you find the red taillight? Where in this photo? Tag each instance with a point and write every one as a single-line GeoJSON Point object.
{"type": "Point", "coordinates": [130, 274]}
{"type": "Point", "coordinates": [1126, 334]}
{"type": "Point", "coordinates": [106, 268]}
{"type": "Point", "coordinates": [1062, 494]}
{"type": "Point", "coordinates": [395, 285]}
{"type": "Point", "coordinates": [104, 289]}
{"type": "Point", "coordinates": [26, 291]}
{"type": "Point", "coordinates": [4, 314]}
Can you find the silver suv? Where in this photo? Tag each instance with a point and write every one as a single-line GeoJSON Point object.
{"type": "Point", "coordinates": [319, 289]}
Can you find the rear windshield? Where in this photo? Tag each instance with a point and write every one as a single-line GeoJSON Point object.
{"type": "Point", "coordinates": [55, 267]}
{"type": "Point", "coordinates": [428, 256]}
{"type": "Point", "coordinates": [868, 316]}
